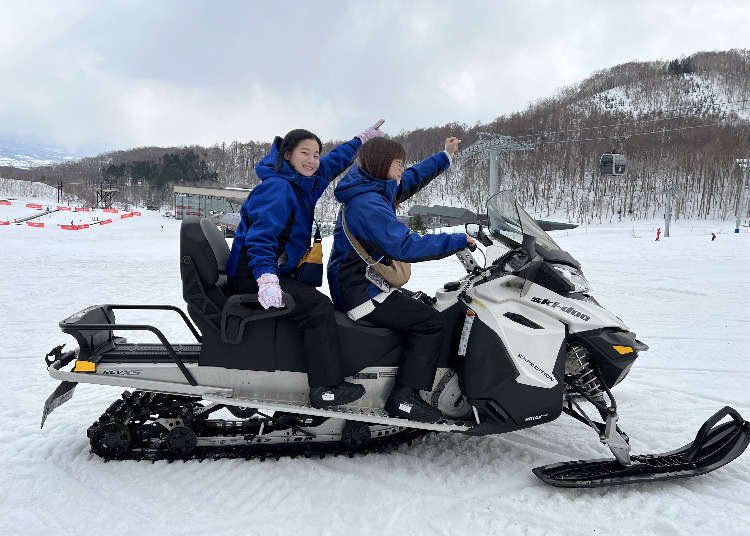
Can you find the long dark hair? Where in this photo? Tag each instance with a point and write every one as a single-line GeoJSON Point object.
{"type": "Point", "coordinates": [376, 156]}
{"type": "Point", "coordinates": [290, 142]}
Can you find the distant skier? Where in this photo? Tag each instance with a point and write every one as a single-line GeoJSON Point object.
{"type": "Point", "coordinates": [713, 237]}
{"type": "Point", "coordinates": [658, 232]}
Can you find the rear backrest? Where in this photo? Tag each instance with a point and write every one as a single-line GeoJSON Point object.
{"type": "Point", "coordinates": [206, 246]}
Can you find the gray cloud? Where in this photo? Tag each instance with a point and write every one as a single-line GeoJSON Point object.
{"type": "Point", "coordinates": [84, 74]}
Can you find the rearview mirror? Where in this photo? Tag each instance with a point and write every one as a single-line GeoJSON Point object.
{"type": "Point", "coordinates": [476, 231]}
{"type": "Point", "coordinates": [473, 229]}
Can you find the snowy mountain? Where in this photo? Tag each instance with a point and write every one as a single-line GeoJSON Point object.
{"type": "Point", "coordinates": [25, 155]}
{"type": "Point", "coordinates": [706, 84]}
{"type": "Point", "coordinates": [680, 128]}
{"type": "Point", "coordinates": [681, 124]}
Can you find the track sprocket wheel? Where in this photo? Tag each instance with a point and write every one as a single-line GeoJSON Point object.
{"type": "Point", "coordinates": [111, 440]}
{"type": "Point", "coordinates": [355, 435]}
{"type": "Point", "coordinates": [181, 441]}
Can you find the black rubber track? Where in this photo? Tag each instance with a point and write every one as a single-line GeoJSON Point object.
{"type": "Point", "coordinates": [132, 410]}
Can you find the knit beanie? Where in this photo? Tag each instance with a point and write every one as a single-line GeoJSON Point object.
{"type": "Point", "coordinates": [376, 156]}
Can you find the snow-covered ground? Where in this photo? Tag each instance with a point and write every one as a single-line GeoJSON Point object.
{"type": "Point", "coordinates": [684, 95]}
{"type": "Point", "coordinates": [686, 296]}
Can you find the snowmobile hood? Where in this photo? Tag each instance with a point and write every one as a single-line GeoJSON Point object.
{"type": "Point", "coordinates": [358, 181]}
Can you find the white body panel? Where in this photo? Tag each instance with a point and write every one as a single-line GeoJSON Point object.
{"type": "Point", "coordinates": [533, 351]}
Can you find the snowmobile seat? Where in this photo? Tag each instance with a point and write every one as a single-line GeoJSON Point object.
{"type": "Point", "coordinates": [366, 345]}
{"type": "Point", "coordinates": [236, 331]}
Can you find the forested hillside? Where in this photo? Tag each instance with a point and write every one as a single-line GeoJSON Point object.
{"type": "Point", "coordinates": [681, 123]}
{"type": "Point", "coordinates": [673, 124]}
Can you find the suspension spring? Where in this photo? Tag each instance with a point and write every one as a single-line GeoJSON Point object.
{"type": "Point", "coordinates": [581, 374]}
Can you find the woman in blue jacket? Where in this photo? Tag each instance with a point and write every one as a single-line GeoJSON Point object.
{"type": "Point", "coordinates": [272, 237]}
{"type": "Point", "coordinates": [370, 194]}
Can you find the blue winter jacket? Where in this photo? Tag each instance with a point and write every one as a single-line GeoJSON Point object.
{"type": "Point", "coordinates": [371, 219]}
{"type": "Point", "coordinates": [276, 218]}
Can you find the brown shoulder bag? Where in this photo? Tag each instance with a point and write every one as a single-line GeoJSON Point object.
{"type": "Point", "coordinates": [397, 273]}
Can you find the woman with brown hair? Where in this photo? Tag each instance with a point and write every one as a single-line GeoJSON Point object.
{"type": "Point", "coordinates": [367, 220]}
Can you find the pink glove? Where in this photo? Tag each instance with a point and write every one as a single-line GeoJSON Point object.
{"type": "Point", "coordinates": [372, 132]}
{"type": "Point", "coordinates": [269, 291]}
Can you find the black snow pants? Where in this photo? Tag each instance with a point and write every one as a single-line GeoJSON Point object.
{"type": "Point", "coordinates": [313, 315]}
{"type": "Point", "coordinates": [423, 327]}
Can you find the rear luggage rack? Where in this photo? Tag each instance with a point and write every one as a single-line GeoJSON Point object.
{"type": "Point", "coordinates": [148, 353]}
{"type": "Point", "coordinates": [92, 328]}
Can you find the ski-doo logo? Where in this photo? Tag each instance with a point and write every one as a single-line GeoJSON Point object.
{"type": "Point", "coordinates": [124, 372]}
{"type": "Point", "coordinates": [536, 367]}
{"type": "Point", "coordinates": [564, 309]}
{"type": "Point", "coordinates": [536, 417]}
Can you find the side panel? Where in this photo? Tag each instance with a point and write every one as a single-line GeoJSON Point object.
{"type": "Point", "coordinates": [489, 379]}
{"type": "Point", "coordinates": [531, 337]}
{"type": "Point", "coordinates": [578, 315]}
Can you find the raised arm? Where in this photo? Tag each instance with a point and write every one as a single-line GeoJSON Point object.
{"type": "Point", "coordinates": [417, 177]}
{"type": "Point", "coordinates": [340, 158]}
{"type": "Point", "coordinates": [381, 229]}
{"type": "Point", "coordinates": [332, 164]}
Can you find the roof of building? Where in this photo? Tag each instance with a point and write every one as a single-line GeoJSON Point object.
{"type": "Point", "coordinates": [440, 210]}
{"type": "Point", "coordinates": [236, 194]}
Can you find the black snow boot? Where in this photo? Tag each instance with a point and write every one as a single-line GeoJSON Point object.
{"type": "Point", "coordinates": [405, 403]}
{"type": "Point", "coordinates": [336, 395]}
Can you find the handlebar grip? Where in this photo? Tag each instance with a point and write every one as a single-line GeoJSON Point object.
{"type": "Point", "coordinates": [472, 246]}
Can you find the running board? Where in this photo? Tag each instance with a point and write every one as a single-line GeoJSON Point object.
{"type": "Point", "coordinates": [714, 446]}
{"type": "Point", "coordinates": [64, 392]}
{"type": "Point", "coordinates": [349, 413]}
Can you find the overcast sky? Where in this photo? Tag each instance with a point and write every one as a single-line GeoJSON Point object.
{"type": "Point", "coordinates": [91, 75]}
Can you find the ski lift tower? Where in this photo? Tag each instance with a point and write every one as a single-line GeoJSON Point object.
{"type": "Point", "coordinates": [104, 196]}
{"type": "Point", "coordinates": [669, 193]}
{"type": "Point", "coordinates": [744, 163]}
{"type": "Point", "coordinates": [492, 145]}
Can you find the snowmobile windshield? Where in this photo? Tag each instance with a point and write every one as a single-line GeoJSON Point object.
{"type": "Point", "coordinates": [508, 222]}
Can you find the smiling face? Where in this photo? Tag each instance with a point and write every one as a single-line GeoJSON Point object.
{"type": "Point", "coordinates": [305, 158]}
{"type": "Point", "coordinates": [395, 170]}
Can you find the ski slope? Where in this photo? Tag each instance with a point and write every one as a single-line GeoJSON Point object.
{"type": "Point", "coordinates": [685, 296]}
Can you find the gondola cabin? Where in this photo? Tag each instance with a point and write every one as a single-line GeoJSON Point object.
{"type": "Point", "coordinates": [612, 164]}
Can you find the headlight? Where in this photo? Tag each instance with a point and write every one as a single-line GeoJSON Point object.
{"type": "Point", "coordinates": [574, 277]}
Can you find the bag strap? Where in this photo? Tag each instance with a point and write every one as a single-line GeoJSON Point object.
{"type": "Point", "coordinates": [317, 239]}
{"type": "Point", "coordinates": [356, 245]}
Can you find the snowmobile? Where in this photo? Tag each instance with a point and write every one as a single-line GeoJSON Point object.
{"type": "Point", "coordinates": [525, 342]}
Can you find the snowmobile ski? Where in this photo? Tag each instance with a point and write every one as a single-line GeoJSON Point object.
{"type": "Point", "coordinates": [714, 446]}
